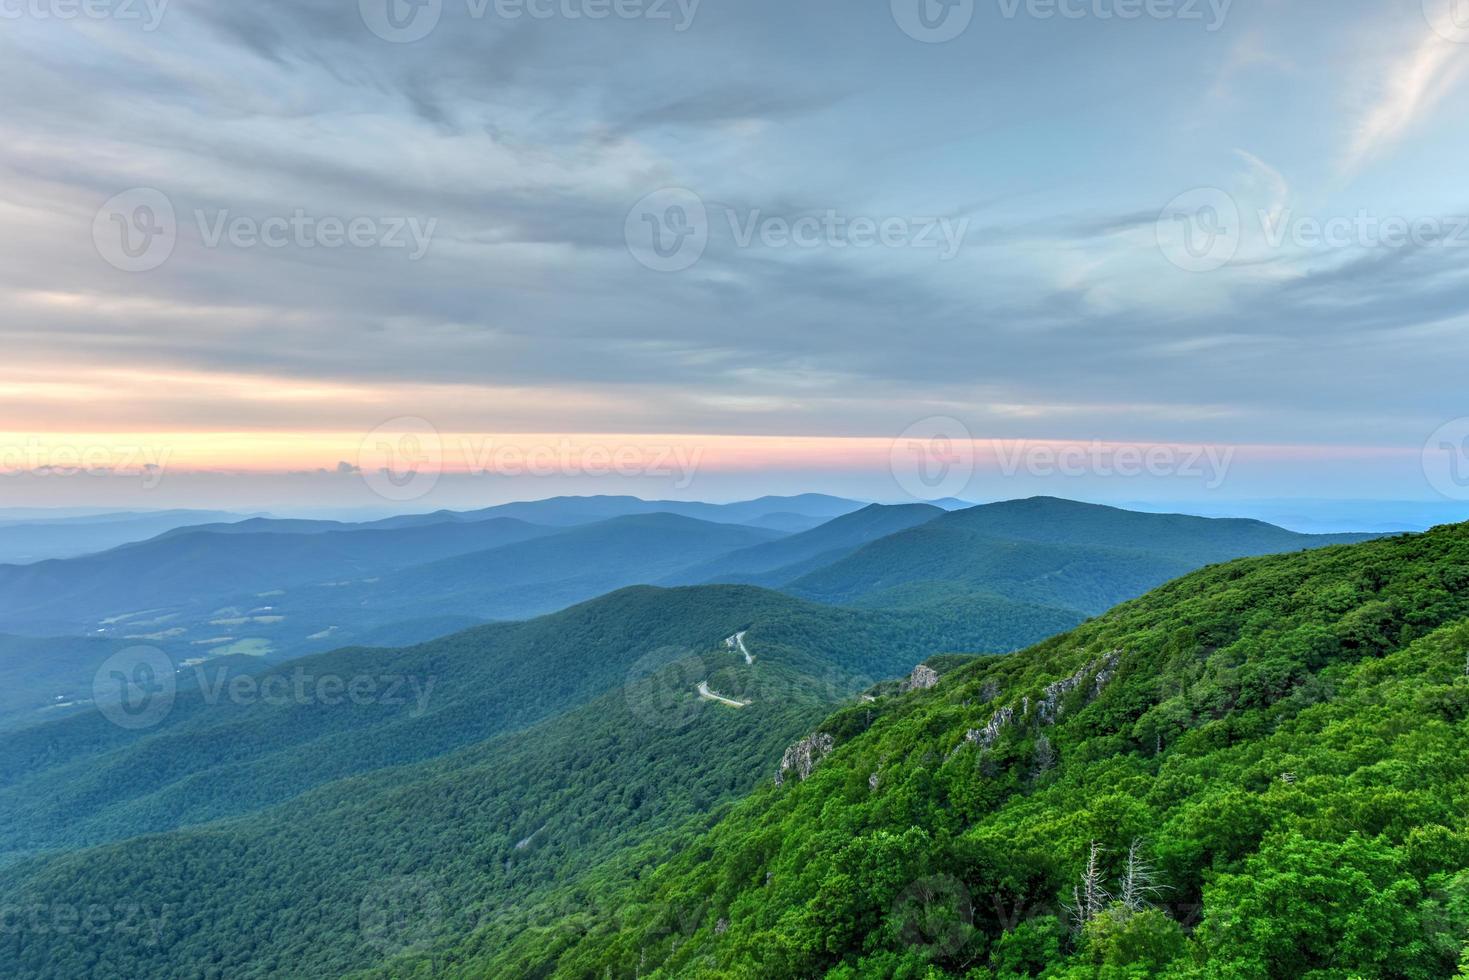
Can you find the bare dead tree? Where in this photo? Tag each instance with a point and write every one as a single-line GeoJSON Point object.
{"type": "Point", "coordinates": [1093, 890]}
{"type": "Point", "coordinates": [1045, 757]}
{"type": "Point", "coordinates": [1090, 897]}
{"type": "Point", "coordinates": [1139, 880]}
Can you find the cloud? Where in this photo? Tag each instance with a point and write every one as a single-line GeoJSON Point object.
{"type": "Point", "coordinates": [1411, 89]}
{"type": "Point", "coordinates": [529, 144]}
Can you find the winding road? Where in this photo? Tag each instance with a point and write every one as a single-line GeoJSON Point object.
{"type": "Point", "coordinates": [709, 695]}
{"type": "Point", "coordinates": [737, 642]}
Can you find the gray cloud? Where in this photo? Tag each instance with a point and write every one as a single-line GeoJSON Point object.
{"type": "Point", "coordinates": [529, 142]}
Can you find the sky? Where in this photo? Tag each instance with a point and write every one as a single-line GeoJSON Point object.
{"type": "Point", "coordinates": [403, 253]}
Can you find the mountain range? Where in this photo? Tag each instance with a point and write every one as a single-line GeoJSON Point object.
{"type": "Point", "coordinates": [276, 590]}
{"type": "Point", "coordinates": [722, 778]}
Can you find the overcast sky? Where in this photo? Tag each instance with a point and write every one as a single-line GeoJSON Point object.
{"type": "Point", "coordinates": [1173, 221]}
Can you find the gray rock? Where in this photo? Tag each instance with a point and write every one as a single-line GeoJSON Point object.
{"type": "Point", "coordinates": [802, 757]}
{"type": "Point", "coordinates": [923, 678]}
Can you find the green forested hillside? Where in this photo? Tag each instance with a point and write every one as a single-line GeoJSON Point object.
{"type": "Point", "coordinates": [777, 562]}
{"type": "Point", "coordinates": [1049, 551]}
{"type": "Point", "coordinates": [1200, 540]}
{"type": "Point", "coordinates": [1259, 771]}
{"type": "Point", "coordinates": [83, 780]}
{"type": "Point", "coordinates": [190, 567]}
{"type": "Point", "coordinates": [44, 679]}
{"type": "Point", "coordinates": [318, 807]}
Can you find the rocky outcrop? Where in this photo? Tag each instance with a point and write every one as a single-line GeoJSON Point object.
{"type": "Point", "coordinates": [923, 678]}
{"type": "Point", "coordinates": [1049, 708]}
{"type": "Point", "coordinates": [1100, 671]}
{"type": "Point", "coordinates": [989, 734]}
{"type": "Point", "coordinates": [802, 757]}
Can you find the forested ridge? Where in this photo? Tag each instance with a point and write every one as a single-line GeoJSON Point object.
{"type": "Point", "coordinates": [283, 820]}
{"type": "Point", "coordinates": [1256, 771]}
{"type": "Point", "coordinates": [1261, 770]}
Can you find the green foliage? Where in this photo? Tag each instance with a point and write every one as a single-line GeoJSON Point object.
{"type": "Point", "coordinates": [546, 749]}
{"type": "Point", "coordinates": [1133, 943]}
{"type": "Point", "coordinates": [1290, 734]}
{"type": "Point", "coordinates": [1045, 551]}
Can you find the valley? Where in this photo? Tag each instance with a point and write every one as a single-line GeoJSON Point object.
{"type": "Point", "coordinates": [570, 753]}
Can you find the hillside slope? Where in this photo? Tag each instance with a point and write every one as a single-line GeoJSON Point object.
{"type": "Point", "coordinates": [534, 577]}
{"type": "Point", "coordinates": [777, 562]}
{"type": "Point", "coordinates": [320, 808]}
{"type": "Point", "coordinates": [1054, 552]}
{"type": "Point", "coordinates": [1277, 748]}
{"type": "Point", "coordinates": [194, 567]}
